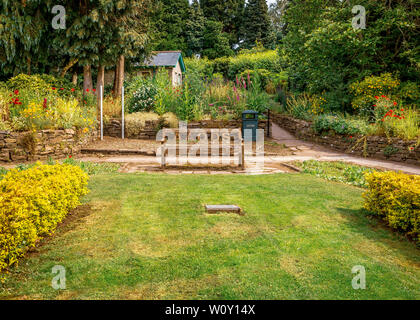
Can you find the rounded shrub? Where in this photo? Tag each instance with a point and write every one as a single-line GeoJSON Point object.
{"type": "Point", "coordinates": [29, 213]}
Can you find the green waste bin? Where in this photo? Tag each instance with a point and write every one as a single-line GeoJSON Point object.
{"type": "Point", "coordinates": [250, 122]}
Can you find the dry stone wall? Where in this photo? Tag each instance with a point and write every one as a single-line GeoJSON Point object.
{"type": "Point", "coordinates": [25, 146]}
{"type": "Point", "coordinates": [379, 147]}
{"type": "Point", "coordinates": [113, 127]}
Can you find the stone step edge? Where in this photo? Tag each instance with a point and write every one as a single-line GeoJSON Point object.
{"type": "Point", "coordinates": [117, 151]}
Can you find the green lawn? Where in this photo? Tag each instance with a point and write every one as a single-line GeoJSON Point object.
{"type": "Point", "coordinates": [146, 236]}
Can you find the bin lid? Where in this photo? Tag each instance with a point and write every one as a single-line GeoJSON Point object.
{"type": "Point", "coordinates": [250, 112]}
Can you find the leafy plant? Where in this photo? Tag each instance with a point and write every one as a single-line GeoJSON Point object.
{"type": "Point", "coordinates": [372, 86]}
{"type": "Point", "coordinates": [299, 106]}
{"type": "Point", "coordinates": [325, 123]}
{"type": "Point", "coordinates": [336, 171]}
{"type": "Point", "coordinates": [142, 97]}
{"type": "Point", "coordinates": [390, 150]}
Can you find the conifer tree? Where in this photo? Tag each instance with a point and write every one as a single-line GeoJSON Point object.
{"type": "Point", "coordinates": [256, 25]}
{"type": "Point", "coordinates": [194, 29]}
{"type": "Point", "coordinates": [228, 12]}
{"type": "Point", "coordinates": [169, 24]}
{"type": "Point", "coordinates": [215, 41]}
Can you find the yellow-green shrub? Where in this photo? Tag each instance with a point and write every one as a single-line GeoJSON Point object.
{"type": "Point", "coordinates": [33, 202]}
{"type": "Point", "coordinates": [395, 197]}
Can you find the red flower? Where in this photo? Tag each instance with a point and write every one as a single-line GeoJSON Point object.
{"type": "Point", "coordinates": [402, 109]}
{"type": "Point", "coordinates": [72, 89]}
{"type": "Point", "coordinates": [16, 92]}
{"type": "Point", "coordinates": [61, 88]}
{"type": "Point", "coordinates": [395, 103]}
{"type": "Point", "coordinates": [376, 97]}
{"type": "Point", "coordinates": [94, 90]}
{"type": "Point", "coordinates": [87, 90]}
{"type": "Point", "coordinates": [70, 156]}
{"type": "Point", "coordinates": [383, 96]}
{"type": "Point", "coordinates": [351, 137]}
{"type": "Point", "coordinates": [53, 88]}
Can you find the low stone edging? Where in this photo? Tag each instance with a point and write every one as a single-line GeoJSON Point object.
{"type": "Point", "coordinates": [378, 147]}
{"type": "Point", "coordinates": [112, 128]}
{"type": "Point", "coordinates": [27, 145]}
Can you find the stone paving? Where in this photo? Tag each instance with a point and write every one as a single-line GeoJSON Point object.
{"type": "Point", "coordinates": [298, 151]}
{"type": "Point", "coordinates": [287, 147]}
{"type": "Point", "coordinates": [303, 150]}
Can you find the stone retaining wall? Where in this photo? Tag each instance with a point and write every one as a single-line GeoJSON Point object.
{"type": "Point", "coordinates": [24, 146]}
{"type": "Point", "coordinates": [113, 127]}
{"type": "Point", "coordinates": [372, 146]}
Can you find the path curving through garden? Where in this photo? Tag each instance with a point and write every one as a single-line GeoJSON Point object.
{"type": "Point", "coordinates": [303, 150]}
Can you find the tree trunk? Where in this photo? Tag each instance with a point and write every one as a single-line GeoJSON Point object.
{"type": "Point", "coordinates": [114, 87]}
{"type": "Point", "coordinates": [119, 76]}
{"type": "Point", "coordinates": [74, 78]}
{"type": "Point", "coordinates": [68, 66]}
{"type": "Point", "coordinates": [99, 83]}
{"type": "Point", "coordinates": [87, 78]}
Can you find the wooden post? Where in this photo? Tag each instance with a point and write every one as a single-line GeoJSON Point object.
{"type": "Point", "coordinates": [268, 123]}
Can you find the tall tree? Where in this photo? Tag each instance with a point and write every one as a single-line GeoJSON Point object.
{"type": "Point", "coordinates": [131, 19]}
{"type": "Point", "coordinates": [215, 41]}
{"type": "Point", "coordinates": [23, 26]}
{"type": "Point", "coordinates": [169, 24]}
{"type": "Point", "coordinates": [194, 29]}
{"type": "Point", "coordinates": [276, 12]}
{"type": "Point", "coordinates": [228, 12]}
{"type": "Point", "coordinates": [326, 54]}
{"type": "Point", "coordinates": [101, 33]}
{"type": "Point", "coordinates": [256, 25]}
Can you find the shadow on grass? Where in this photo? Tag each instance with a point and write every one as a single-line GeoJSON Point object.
{"type": "Point", "coordinates": [73, 219]}
{"type": "Point", "coordinates": [374, 228]}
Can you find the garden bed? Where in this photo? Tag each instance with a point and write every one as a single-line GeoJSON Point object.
{"type": "Point", "coordinates": [393, 149]}
{"type": "Point", "coordinates": [112, 128]}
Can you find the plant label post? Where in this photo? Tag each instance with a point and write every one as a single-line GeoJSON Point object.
{"type": "Point", "coordinates": [102, 119]}
{"type": "Point", "coordinates": [122, 113]}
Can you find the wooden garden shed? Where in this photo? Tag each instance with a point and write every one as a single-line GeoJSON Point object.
{"type": "Point", "coordinates": [171, 60]}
